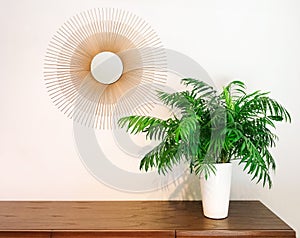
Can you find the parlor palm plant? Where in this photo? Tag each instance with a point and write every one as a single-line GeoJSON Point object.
{"type": "Point", "coordinates": [212, 128]}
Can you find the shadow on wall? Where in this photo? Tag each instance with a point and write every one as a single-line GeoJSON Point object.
{"type": "Point", "coordinates": [187, 187]}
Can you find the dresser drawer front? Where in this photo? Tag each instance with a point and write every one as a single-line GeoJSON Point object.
{"type": "Point", "coordinates": [25, 235]}
{"type": "Point", "coordinates": [115, 234]}
{"type": "Point", "coordinates": [236, 233]}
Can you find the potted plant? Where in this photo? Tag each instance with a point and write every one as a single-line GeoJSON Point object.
{"type": "Point", "coordinates": [211, 130]}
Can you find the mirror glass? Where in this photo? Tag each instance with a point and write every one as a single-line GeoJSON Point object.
{"type": "Point", "coordinates": [106, 67]}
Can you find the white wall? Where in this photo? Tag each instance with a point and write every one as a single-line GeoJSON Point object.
{"type": "Point", "coordinates": [254, 40]}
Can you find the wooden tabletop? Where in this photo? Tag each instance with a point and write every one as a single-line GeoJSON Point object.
{"type": "Point", "coordinates": [132, 215]}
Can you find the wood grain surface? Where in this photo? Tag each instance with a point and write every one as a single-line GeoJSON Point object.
{"type": "Point", "coordinates": [164, 217]}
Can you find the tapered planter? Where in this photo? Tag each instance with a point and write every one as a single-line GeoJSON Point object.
{"type": "Point", "coordinates": [216, 192]}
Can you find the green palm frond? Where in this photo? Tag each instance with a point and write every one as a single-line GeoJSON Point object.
{"type": "Point", "coordinates": [163, 156]}
{"type": "Point", "coordinates": [213, 128]}
{"type": "Point", "coordinates": [178, 100]}
{"type": "Point", "coordinates": [200, 88]}
{"type": "Point", "coordinates": [136, 124]}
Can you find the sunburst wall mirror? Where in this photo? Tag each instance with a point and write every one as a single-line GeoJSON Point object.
{"type": "Point", "coordinates": [100, 62]}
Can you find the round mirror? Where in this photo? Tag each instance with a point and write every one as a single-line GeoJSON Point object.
{"type": "Point", "coordinates": [106, 67]}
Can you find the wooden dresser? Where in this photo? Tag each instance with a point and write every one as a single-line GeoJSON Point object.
{"type": "Point", "coordinates": [112, 219]}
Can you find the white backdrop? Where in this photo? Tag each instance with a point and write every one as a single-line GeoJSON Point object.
{"type": "Point", "coordinates": [256, 41]}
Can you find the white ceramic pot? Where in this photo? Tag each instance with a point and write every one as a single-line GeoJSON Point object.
{"type": "Point", "coordinates": [216, 192]}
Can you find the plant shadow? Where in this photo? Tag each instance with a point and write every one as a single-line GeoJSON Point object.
{"type": "Point", "coordinates": [187, 187]}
